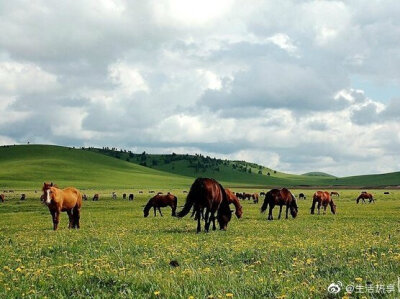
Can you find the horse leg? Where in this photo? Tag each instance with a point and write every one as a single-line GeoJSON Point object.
{"type": "Point", "coordinates": [207, 220]}
{"type": "Point", "coordinates": [213, 221]}
{"type": "Point", "coordinates": [198, 220]}
{"type": "Point", "coordinates": [287, 210]}
{"type": "Point", "coordinates": [155, 212]}
{"type": "Point", "coordinates": [270, 217]}
{"type": "Point", "coordinates": [160, 211]}
{"type": "Point", "coordinates": [77, 216]}
{"type": "Point", "coordinates": [319, 207]}
{"type": "Point", "coordinates": [56, 219]}
{"type": "Point", "coordinates": [324, 210]}
{"type": "Point", "coordinates": [71, 219]}
{"type": "Point", "coordinates": [280, 212]}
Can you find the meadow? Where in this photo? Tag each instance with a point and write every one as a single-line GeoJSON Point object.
{"type": "Point", "coordinates": [117, 253]}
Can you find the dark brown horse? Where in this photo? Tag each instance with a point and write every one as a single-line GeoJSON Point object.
{"type": "Point", "coordinates": [324, 199]}
{"type": "Point", "coordinates": [365, 195]}
{"type": "Point", "coordinates": [239, 195]}
{"type": "Point", "coordinates": [2, 197]}
{"type": "Point", "coordinates": [335, 193]}
{"type": "Point", "coordinates": [160, 201]}
{"type": "Point", "coordinates": [247, 196]}
{"type": "Point", "coordinates": [207, 194]}
{"type": "Point", "coordinates": [280, 197]}
{"type": "Point", "coordinates": [62, 200]}
{"type": "Point", "coordinates": [96, 197]}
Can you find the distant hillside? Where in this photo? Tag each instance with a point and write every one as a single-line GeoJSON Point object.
{"type": "Point", "coordinates": [317, 173]}
{"type": "Point", "coordinates": [27, 166]}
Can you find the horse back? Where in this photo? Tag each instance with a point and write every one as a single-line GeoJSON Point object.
{"type": "Point", "coordinates": [71, 198]}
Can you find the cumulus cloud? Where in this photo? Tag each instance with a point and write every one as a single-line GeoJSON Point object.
{"type": "Point", "coordinates": [269, 82]}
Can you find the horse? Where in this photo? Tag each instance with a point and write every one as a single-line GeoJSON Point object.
{"type": "Point", "coordinates": [208, 194]}
{"type": "Point", "coordinates": [386, 193]}
{"type": "Point", "coordinates": [335, 193]}
{"type": "Point", "coordinates": [95, 197]}
{"type": "Point", "coordinates": [124, 196]}
{"type": "Point", "coordinates": [63, 200]}
{"type": "Point", "coordinates": [23, 196]}
{"type": "Point", "coordinates": [255, 197]}
{"type": "Point", "coordinates": [159, 201]}
{"type": "Point", "coordinates": [239, 195]}
{"type": "Point", "coordinates": [247, 195]}
{"type": "Point", "coordinates": [262, 193]}
{"type": "Point", "coordinates": [280, 197]}
{"type": "Point", "coordinates": [365, 195]}
{"type": "Point", "coordinates": [232, 199]}
{"type": "Point", "coordinates": [84, 197]}
{"type": "Point", "coordinates": [2, 197]}
{"type": "Point", "coordinates": [324, 199]}
{"type": "Point", "coordinates": [114, 195]}
{"type": "Point", "coordinates": [131, 196]}
{"type": "Point", "coordinates": [302, 196]}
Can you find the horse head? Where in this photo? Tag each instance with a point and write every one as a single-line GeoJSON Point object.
{"type": "Point", "coordinates": [147, 207]}
{"type": "Point", "coordinates": [223, 217]}
{"type": "Point", "coordinates": [48, 192]}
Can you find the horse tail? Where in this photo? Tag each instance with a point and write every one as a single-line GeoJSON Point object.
{"type": "Point", "coordinates": [264, 207]}
{"type": "Point", "coordinates": [195, 191]}
{"type": "Point", "coordinates": [313, 204]}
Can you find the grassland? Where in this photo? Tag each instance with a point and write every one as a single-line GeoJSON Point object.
{"type": "Point", "coordinates": [117, 253]}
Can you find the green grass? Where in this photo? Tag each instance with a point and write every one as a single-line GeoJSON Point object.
{"type": "Point", "coordinates": [27, 166]}
{"type": "Point", "coordinates": [118, 253]}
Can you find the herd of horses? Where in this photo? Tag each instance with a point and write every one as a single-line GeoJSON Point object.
{"type": "Point", "coordinates": [207, 199]}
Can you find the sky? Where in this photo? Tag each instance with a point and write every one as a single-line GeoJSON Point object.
{"type": "Point", "coordinates": [297, 86]}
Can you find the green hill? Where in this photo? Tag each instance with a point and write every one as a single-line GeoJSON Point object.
{"type": "Point", "coordinates": [318, 173]}
{"type": "Point", "coordinates": [27, 166]}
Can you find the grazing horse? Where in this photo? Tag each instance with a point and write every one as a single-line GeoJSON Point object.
{"type": "Point", "coordinates": [262, 193]}
{"type": "Point", "coordinates": [208, 194]}
{"type": "Point", "coordinates": [255, 197]}
{"type": "Point", "coordinates": [324, 199]}
{"type": "Point", "coordinates": [124, 196]}
{"type": "Point", "coordinates": [2, 197]}
{"type": "Point", "coordinates": [96, 197]}
{"type": "Point", "coordinates": [159, 201]}
{"type": "Point", "coordinates": [114, 195]}
{"type": "Point", "coordinates": [131, 196]}
{"type": "Point", "coordinates": [302, 196]}
{"type": "Point", "coordinates": [335, 193]}
{"type": "Point", "coordinates": [365, 195]}
{"type": "Point", "coordinates": [23, 196]}
{"type": "Point", "coordinates": [84, 197]}
{"type": "Point", "coordinates": [280, 197]}
{"type": "Point", "coordinates": [239, 195]}
{"type": "Point", "coordinates": [232, 199]}
{"type": "Point", "coordinates": [247, 195]}
{"type": "Point", "coordinates": [62, 200]}
{"type": "Point", "coordinates": [386, 192]}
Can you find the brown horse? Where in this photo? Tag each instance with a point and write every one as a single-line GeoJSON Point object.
{"type": "Point", "coordinates": [208, 194]}
{"type": "Point", "coordinates": [62, 200]}
{"type": "Point", "coordinates": [239, 195]}
{"type": "Point", "coordinates": [96, 197]}
{"type": "Point", "coordinates": [365, 195]}
{"type": "Point", "coordinates": [335, 193]}
{"type": "Point", "coordinates": [160, 201]}
{"type": "Point", "coordinates": [2, 197]}
{"type": "Point", "coordinates": [232, 199]}
{"type": "Point", "coordinates": [280, 197]}
{"type": "Point", "coordinates": [324, 199]}
{"type": "Point", "coordinates": [255, 197]}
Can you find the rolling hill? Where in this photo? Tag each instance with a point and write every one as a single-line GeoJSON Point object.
{"type": "Point", "coordinates": [27, 166]}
